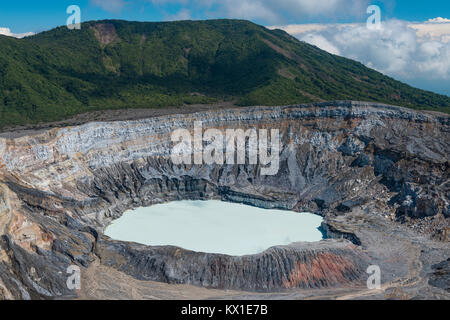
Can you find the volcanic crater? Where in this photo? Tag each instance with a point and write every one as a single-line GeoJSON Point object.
{"type": "Point", "coordinates": [377, 174]}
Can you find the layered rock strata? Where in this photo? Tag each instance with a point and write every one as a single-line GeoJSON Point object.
{"type": "Point", "coordinates": [378, 174]}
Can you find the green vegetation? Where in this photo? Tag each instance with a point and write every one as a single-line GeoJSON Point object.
{"type": "Point", "coordinates": [119, 64]}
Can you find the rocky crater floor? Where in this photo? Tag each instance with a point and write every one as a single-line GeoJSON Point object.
{"type": "Point", "coordinates": [378, 174]}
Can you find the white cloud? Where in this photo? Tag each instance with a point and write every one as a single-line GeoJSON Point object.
{"type": "Point", "coordinates": [296, 29]}
{"type": "Point", "coordinates": [411, 52]}
{"type": "Point", "coordinates": [321, 42]}
{"type": "Point", "coordinates": [113, 6]}
{"type": "Point", "coordinates": [7, 32]}
{"type": "Point", "coordinates": [439, 20]}
{"type": "Point", "coordinates": [437, 31]}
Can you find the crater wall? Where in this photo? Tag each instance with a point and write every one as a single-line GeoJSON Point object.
{"type": "Point", "coordinates": [62, 187]}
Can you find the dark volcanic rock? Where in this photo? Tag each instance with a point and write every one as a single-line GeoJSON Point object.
{"type": "Point", "coordinates": [366, 164]}
{"type": "Point", "coordinates": [300, 265]}
{"type": "Point", "coordinates": [441, 275]}
{"type": "Point", "coordinates": [416, 202]}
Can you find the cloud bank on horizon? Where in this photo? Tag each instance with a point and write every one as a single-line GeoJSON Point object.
{"type": "Point", "coordinates": [7, 32]}
{"type": "Point", "coordinates": [416, 53]}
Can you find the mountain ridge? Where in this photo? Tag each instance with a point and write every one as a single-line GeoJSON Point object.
{"type": "Point", "coordinates": [117, 64]}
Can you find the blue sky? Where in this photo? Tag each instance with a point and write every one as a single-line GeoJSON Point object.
{"type": "Point", "coordinates": [409, 47]}
{"type": "Point", "coordinates": [31, 15]}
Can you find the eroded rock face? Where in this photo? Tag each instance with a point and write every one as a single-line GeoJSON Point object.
{"type": "Point", "coordinates": [441, 275]}
{"type": "Point", "coordinates": [105, 33]}
{"type": "Point", "coordinates": [300, 265]}
{"type": "Point", "coordinates": [59, 190]}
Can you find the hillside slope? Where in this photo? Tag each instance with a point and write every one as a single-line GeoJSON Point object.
{"type": "Point", "coordinates": [118, 64]}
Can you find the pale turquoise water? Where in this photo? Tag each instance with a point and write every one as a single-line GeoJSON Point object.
{"type": "Point", "coordinates": [215, 227]}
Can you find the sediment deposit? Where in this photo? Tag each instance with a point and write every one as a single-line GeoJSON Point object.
{"type": "Point", "coordinates": [378, 174]}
